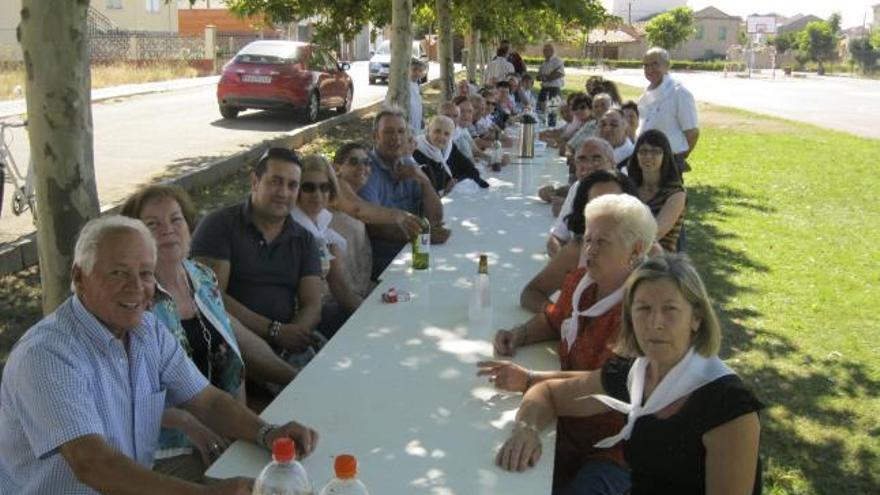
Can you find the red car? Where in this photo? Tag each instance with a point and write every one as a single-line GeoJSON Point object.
{"type": "Point", "coordinates": [278, 75]}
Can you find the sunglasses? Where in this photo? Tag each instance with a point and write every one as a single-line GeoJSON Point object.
{"type": "Point", "coordinates": [355, 161]}
{"type": "Point", "coordinates": [311, 187]}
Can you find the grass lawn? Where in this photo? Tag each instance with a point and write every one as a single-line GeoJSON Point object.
{"type": "Point", "coordinates": [782, 223]}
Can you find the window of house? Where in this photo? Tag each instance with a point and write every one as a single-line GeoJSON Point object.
{"type": "Point", "coordinates": [699, 34]}
{"type": "Point", "coordinates": [153, 5]}
{"type": "Point", "coordinates": [113, 4]}
{"type": "Point", "coordinates": [722, 33]}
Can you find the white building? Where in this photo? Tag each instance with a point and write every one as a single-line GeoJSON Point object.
{"type": "Point", "coordinates": [636, 10]}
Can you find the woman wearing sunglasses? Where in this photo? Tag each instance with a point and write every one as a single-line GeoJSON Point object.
{"type": "Point", "coordinates": [318, 189]}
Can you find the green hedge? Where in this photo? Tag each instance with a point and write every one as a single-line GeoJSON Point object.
{"type": "Point", "coordinates": [637, 64]}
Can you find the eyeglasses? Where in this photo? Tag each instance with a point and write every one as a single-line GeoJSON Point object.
{"type": "Point", "coordinates": [644, 150]}
{"type": "Point", "coordinates": [354, 161]}
{"type": "Point", "coordinates": [590, 158]}
{"type": "Point", "coordinates": [311, 187]}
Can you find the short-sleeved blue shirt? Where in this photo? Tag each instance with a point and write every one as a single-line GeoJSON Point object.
{"type": "Point", "coordinates": [382, 189]}
{"type": "Point", "coordinates": [69, 377]}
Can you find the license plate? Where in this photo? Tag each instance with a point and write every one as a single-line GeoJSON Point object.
{"type": "Point", "coordinates": [253, 78]}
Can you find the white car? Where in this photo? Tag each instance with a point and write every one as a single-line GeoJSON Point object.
{"type": "Point", "coordinates": [380, 62]}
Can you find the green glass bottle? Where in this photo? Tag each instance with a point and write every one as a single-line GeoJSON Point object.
{"type": "Point", "coordinates": [421, 247]}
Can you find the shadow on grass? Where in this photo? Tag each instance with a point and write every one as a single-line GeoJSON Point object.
{"type": "Point", "coordinates": [803, 394]}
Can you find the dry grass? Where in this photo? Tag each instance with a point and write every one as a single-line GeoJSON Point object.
{"type": "Point", "coordinates": [106, 75]}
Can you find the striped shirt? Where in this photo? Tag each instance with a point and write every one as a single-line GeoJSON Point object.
{"type": "Point", "coordinates": [69, 377]}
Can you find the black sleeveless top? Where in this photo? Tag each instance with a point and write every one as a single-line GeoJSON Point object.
{"type": "Point", "coordinates": [667, 455]}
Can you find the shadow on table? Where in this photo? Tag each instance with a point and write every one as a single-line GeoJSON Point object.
{"type": "Point", "coordinates": [802, 392]}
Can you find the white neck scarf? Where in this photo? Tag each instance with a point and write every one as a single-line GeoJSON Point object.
{"type": "Point", "coordinates": [691, 373]}
{"type": "Point", "coordinates": [435, 153]}
{"type": "Point", "coordinates": [320, 229]}
{"type": "Point", "coordinates": [570, 325]}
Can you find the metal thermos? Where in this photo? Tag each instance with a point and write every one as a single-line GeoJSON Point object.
{"type": "Point", "coordinates": [527, 141]}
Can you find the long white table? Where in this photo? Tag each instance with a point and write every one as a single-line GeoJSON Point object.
{"type": "Point", "coordinates": [397, 385]}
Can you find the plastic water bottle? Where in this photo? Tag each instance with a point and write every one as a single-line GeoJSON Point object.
{"type": "Point", "coordinates": [480, 307]}
{"type": "Point", "coordinates": [346, 481]}
{"type": "Point", "coordinates": [284, 475]}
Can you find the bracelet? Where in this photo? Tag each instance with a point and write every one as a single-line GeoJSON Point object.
{"type": "Point", "coordinates": [274, 330]}
{"type": "Point", "coordinates": [263, 432]}
{"type": "Point", "coordinates": [530, 380]}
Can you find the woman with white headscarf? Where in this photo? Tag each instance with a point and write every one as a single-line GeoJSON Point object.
{"type": "Point", "coordinates": [441, 160]}
{"type": "Point", "coordinates": [692, 425]}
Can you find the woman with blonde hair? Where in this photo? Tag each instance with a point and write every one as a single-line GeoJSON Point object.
{"type": "Point", "coordinates": [692, 425]}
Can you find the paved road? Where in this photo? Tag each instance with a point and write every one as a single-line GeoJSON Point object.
{"type": "Point", "coordinates": [849, 105]}
{"type": "Point", "coordinates": [141, 137]}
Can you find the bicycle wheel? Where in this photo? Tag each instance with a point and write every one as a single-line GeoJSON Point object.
{"type": "Point", "coordinates": [2, 184]}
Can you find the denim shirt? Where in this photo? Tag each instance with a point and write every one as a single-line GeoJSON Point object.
{"type": "Point", "coordinates": [228, 374]}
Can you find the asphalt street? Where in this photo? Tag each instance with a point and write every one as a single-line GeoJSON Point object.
{"type": "Point", "coordinates": [140, 138]}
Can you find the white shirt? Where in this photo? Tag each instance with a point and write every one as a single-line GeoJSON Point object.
{"type": "Point", "coordinates": [669, 108]}
{"type": "Point", "coordinates": [623, 151]}
{"type": "Point", "coordinates": [548, 67]}
{"type": "Point", "coordinates": [499, 68]}
{"type": "Point", "coordinates": [560, 229]}
{"type": "Point", "coordinates": [415, 107]}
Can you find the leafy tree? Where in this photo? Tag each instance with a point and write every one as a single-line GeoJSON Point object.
{"type": "Point", "coordinates": [865, 53]}
{"type": "Point", "coordinates": [834, 23]}
{"type": "Point", "coordinates": [817, 42]}
{"type": "Point", "coordinates": [671, 28]}
{"type": "Point", "coordinates": [783, 42]}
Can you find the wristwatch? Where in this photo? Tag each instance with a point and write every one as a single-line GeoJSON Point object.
{"type": "Point", "coordinates": [274, 330]}
{"type": "Point", "coordinates": [263, 432]}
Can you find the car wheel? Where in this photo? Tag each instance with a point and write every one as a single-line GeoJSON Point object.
{"type": "Point", "coordinates": [313, 108]}
{"type": "Point", "coordinates": [372, 80]}
{"type": "Point", "coordinates": [346, 105]}
{"type": "Point", "coordinates": [229, 112]}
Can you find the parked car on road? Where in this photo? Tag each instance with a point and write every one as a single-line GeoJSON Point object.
{"type": "Point", "coordinates": [279, 75]}
{"type": "Point", "coordinates": [380, 62]}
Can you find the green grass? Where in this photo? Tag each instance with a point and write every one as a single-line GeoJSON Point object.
{"type": "Point", "coordinates": [782, 223]}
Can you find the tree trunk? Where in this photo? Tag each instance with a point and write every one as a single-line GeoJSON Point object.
{"type": "Point", "coordinates": [401, 53]}
{"type": "Point", "coordinates": [54, 39]}
{"type": "Point", "coordinates": [444, 48]}
{"type": "Point", "coordinates": [472, 55]}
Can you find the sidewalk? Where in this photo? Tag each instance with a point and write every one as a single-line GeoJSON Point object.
{"type": "Point", "coordinates": [12, 108]}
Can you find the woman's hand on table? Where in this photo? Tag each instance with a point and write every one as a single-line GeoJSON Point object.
{"type": "Point", "coordinates": [506, 341]}
{"type": "Point", "coordinates": [521, 451]}
{"type": "Point", "coordinates": [439, 234]}
{"type": "Point", "coordinates": [505, 375]}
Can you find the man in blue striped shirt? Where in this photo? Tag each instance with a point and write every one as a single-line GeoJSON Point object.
{"type": "Point", "coordinates": [83, 391]}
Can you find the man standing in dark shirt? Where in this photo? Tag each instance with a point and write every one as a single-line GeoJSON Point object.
{"type": "Point", "coordinates": [267, 264]}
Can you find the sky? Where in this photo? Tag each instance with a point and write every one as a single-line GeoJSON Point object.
{"type": "Point", "coordinates": [853, 11]}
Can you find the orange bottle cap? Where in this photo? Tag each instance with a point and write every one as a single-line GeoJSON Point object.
{"type": "Point", "coordinates": [346, 466]}
{"type": "Point", "coordinates": [283, 449]}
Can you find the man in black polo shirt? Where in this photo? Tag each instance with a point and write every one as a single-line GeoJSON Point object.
{"type": "Point", "coordinates": [267, 264]}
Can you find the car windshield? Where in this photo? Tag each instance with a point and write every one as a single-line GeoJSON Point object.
{"type": "Point", "coordinates": [385, 48]}
{"type": "Point", "coordinates": [270, 53]}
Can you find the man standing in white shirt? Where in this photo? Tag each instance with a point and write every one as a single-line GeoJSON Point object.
{"type": "Point", "coordinates": [499, 68]}
{"type": "Point", "coordinates": [417, 71]}
{"type": "Point", "coordinates": [669, 107]}
{"type": "Point", "coordinates": [552, 76]}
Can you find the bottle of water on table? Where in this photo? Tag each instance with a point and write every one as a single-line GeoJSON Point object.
{"type": "Point", "coordinates": [284, 475]}
{"type": "Point", "coordinates": [346, 481]}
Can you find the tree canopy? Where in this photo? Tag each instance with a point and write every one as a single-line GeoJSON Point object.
{"type": "Point", "coordinates": [671, 28]}
{"type": "Point", "coordinates": [817, 42]}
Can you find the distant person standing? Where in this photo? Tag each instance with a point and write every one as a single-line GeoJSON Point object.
{"type": "Point", "coordinates": [498, 69]}
{"type": "Point", "coordinates": [552, 76]}
{"type": "Point", "coordinates": [668, 107]}
{"type": "Point", "coordinates": [519, 66]}
{"type": "Point", "coordinates": [417, 71]}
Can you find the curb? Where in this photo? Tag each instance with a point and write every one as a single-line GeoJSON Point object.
{"type": "Point", "coordinates": [22, 253]}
